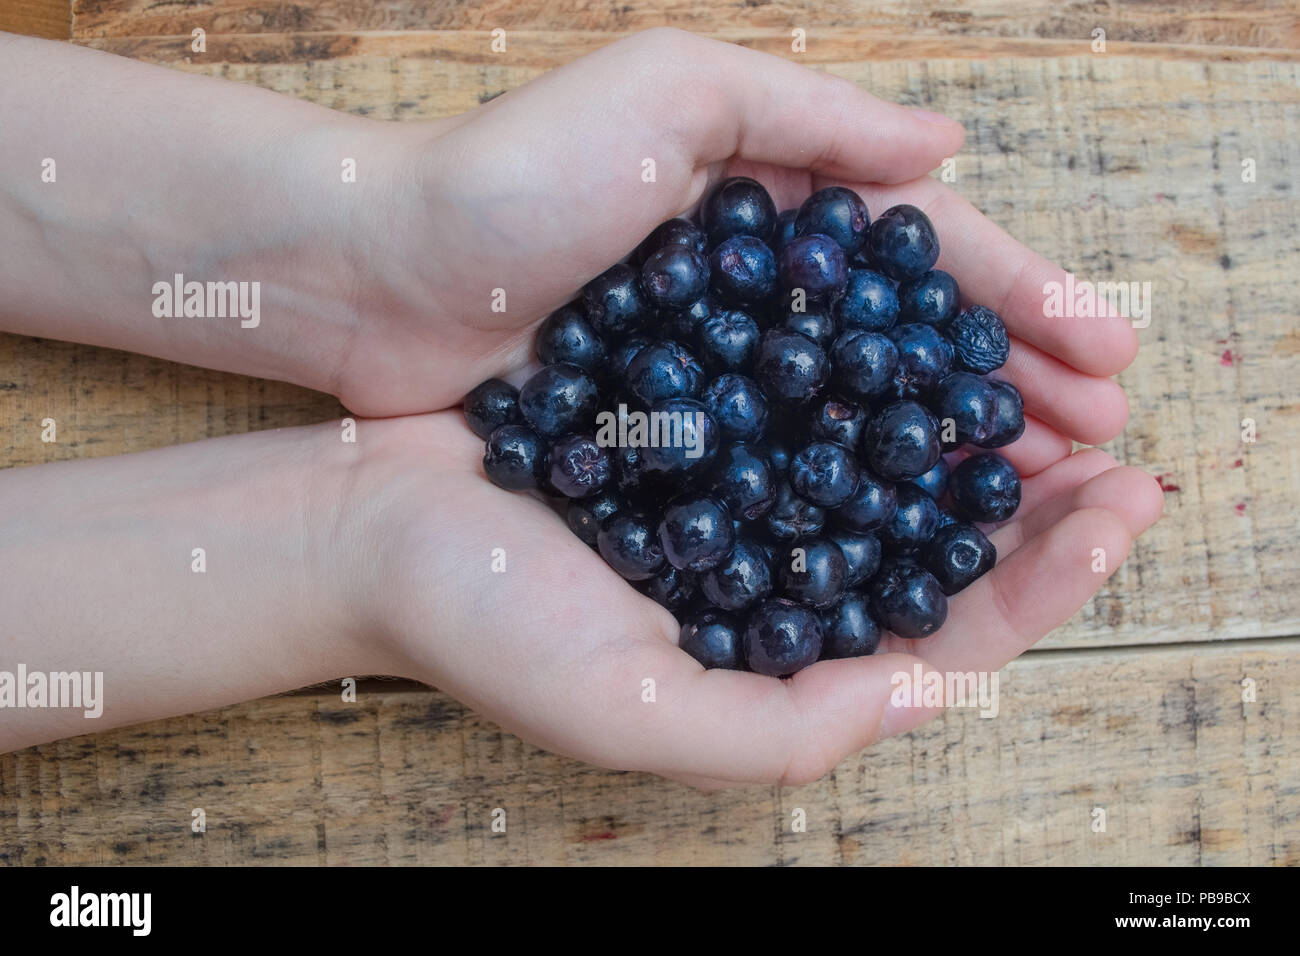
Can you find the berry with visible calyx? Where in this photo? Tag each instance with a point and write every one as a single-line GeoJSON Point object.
{"type": "Point", "coordinates": [985, 488]}
{"type": "Point", "coordinates": [824, 473]}
{"type": "Point", "coordinates": [958, 555]}
{"type": "Point", "coordinates": [579, 466]}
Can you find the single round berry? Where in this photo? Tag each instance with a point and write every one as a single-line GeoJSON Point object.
{"type": "Point", "coordinates": [515, 458]}
{"type": "Point", "coordinates": [683, 438]}
{"type": "Point", "coordinates": [670, 588]}
{"type": "Point", "coordinates": [664, 370]}
{"type": "Point", "coordinates": [836, 212]}
{"type": "Point", "coordinates": [490, 405]}
{"type": "Point", "coordinates": [869, 303]}
{"type": "Point", "coordinates": [816, 323]}
{"type": "Point", "coordinates": [584, 516]}
{"type": "Point", "coordinates": [743, 480]}
{"type": "Point", "coordinates": [739, 206]}
{"type": "Point", "coordinates": [864, 364]}
{"type": "Point", "coordinates": [741, 580]}
{"type": "Point", "coordinates": [1009, 417]}
{"type": "Point", "coordinates": [790, 366]}
{"type": "Point", "coordinates": [935, 481]}
{"type": "Point", "coordinates": [979, 340]}
{"type": "Point", "coordinates": [870, 507]}
{"type": "Point", "coordinates": [902, 243]}
{"type": "Point", "coordinates": [861, 555]}
{"type": "Point", "coordinates": [901, 441]}
{"type": "Point", "coordinates": [970, 403]}
{"type": "Point", "coordinates": [630, 545]}
{"type": "Point", "coordinates": [714, 639]}
{"type": "Point", "coordinates": [727, 341]}
{"type": "Point", "coordinates": [566, 336]}
{"type": "Point", "coordinates": [792, 518]}
{"type": "Point", "coordinates": [781, 637]}
{"type": "Point", "coordinates": [674, 232]}
{"type": "Point", "coordinates": [958, 554]}
{"type": "Point", "coordinates": [614, 301]}
{"type": "Point", "coordinates": [840, 422]}
{"type": "Point", "coordinates": [738, 405]}
{"type": "Point", "coordinates": [743, 270]}
{"type": "Point", "coordinates": [579, 466]}
{"type": "Point", "coordinates": [696, 532]}
{"type": "Point", "coordinates": [924, 358]}
{"type": "Point", "coordinates": [815, 264]}
{"type": "Point", "coordinates": [558, 399]}
{"type": "Point", "coordinates": [674, 277]}
{"type": "Point", "coordinates": [914, 523]}
{"type": "Point", "coordinates": [985, 488]}
{"type": "Point", "coordinates": [814, 572]}
{"type": "Point", "coordinates": [906, 599]}
{"type": "Point", "coordinates": [621, 355]}
{"type": "Point", "coordinates": [932, 299]}
{"type": "Point", "coordinates": [824, 473]}
{"type": "Point", "coordinates": [848, 629]}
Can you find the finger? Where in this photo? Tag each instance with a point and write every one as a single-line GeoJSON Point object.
{"type": "Point", "coordinates": [1089, 409]}
{"type": "Point", "coordinates": [1064, 476]}
{"type": "Point", "coordinates": [995, 270]}
{"type": "Point", "coordinates": [1040, 447]}
{"type": "Point", "coordinates": [1035, 589]}
{"type": "Point", "coordinates": [1129, 492]}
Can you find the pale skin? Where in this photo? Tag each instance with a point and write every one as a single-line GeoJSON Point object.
{"type": "Point", "coordinates": [328, 559]}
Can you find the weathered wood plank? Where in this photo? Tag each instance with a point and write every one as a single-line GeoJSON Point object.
{"type": "Point", "coordinates": [1200, 23]}
{"type": "Point", "coordinates": [51, 19]}
{"type": "Point", "coordinates": [1160, 739]}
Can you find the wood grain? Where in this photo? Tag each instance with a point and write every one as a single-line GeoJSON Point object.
{"type": "Point", "coordinates": [51, 19]}
{"type": "Point", "coordinates": [1160, 739]}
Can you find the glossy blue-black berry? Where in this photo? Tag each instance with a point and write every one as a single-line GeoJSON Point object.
{"type": "Point", "coordinates": [906, 599]}
{"type": "Point", "coordinates": [824, 473]}
{"type": "Point", "coordinates": [792, 518]}
{"type": "Point", "coordinates": [970, 403]}
{"type": "Point", "coordinates": [515, 458]}
{"type": "Point", "coordinates": [670, 588]}
{"type": "Point", "coordinates": [985, 488]}
{"type": "Point", "coordinates": [869, 302]}
{"type": "Point", "coordinates": [870, 507]}
{"type": "Point", "coordinates": [1009, 418]}
{"type": "Point", "coordinates": [738, 206]}
{"type": "Point", "coordinates": [727, 341]}
{"type": "Point", "coordinates": [924, 358]}
{"type": "Point", "coordinates": [743, 270]}
{"type": "Point", "coordinates": [696, 532]}
{"type": "Point", "coordinates": [814, 322]}
{"type": "Point", "coordinates": [490, 405]}
{"type": "Point", "coordinates": [620, 356]}
{"type": "Point", "coordinates": [615, 303]}
{"type": "Point", "coordinates": [902, 243]}
{"type": "Point", "coordinates": [674, 277]}
{"type": "Point", "coordinates": [584, 516]}
{"type": "Point", "coordinates": [914, 523]}
{"type": "Point", "coordinates": [779, 453]}
{"type": "Point", "coordinates": [682, 325]}
{"type": "Point", "coordinates": [864, 364]}
{"type": "Point", "coordinates": [979, 340]}
{"type": "Point", "coordinates": [743, 479]}
{"type": "Point", "coordinates": [693, 438]}
{"type": "Point", "coordinates": [935, 481]}
{"type": "Point", "coordinates": [781, 637]}
{"type": "Point", "coordinates": [932, 299]}
{"type": "Point", "coordinates": [813, 572]}
{"type": "Point", "coordinates": [714, 638]}
{"type": "Point", "coordinates": [848, 629]}
{"type": "Point", "coordinates": [958, 554]}
{"type": "Point", "coordinates": [578, 466]}
{"type": "Point", "coordinates": [629, 543]}
{"type": "Point", "coordinates": [861, 555]}
{"type": "Point", "coordinates": [789, 366]}
{"type": "Point", "coordinates": [566, 336]}
{"type": "Point", "coordinates": [664, 370]}
{"type": "Point", "coordinates": [901, 441]}
{"type": "Point", "coordinates": [559, 399]}
{"type": "Point", "coordinates": [674, 232]}
{"type": "Point", "coordinates": [815, 264]}
{"type": "Point", "coordinates": [784, 231]}
{"type": "Point", "coordinates": [836, 212]}
{"type": "Point", "coordinates": [840, 422]}
{"type": "Point", "coordinates": [741, 580]}
{"type": "Point", "coordinates": [738, 405]}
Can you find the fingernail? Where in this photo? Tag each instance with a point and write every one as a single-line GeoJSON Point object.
{"type": "Point", "coordinates": [935, 119]}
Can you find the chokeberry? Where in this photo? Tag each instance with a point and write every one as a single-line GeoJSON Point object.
{"type": "Point", "coordinates": [935, 481]}
{"type": "Point", "coordinates": [970, 403]}
{"type": "Point", "coordinates": [864, 364]}
{"type": "Point", "coordinates": [664, 370]}
{"type": "Point", "coordinates": [901, 441]}
{"type": "Point", "coordinates": [515, 457]}
{"type": "Point", "coordinates": [629, 543]}
{"type": "Point", "coordinates": [790, 366]}
{"type": "Point", "coordinates": [924, 358]}
{"type": "Point", "coordinates": [742, 579]}
{"type": "Point", "coordinates": [986, 488]}
{"type": "Point", "coordinates": [674, 232]}
{"type": "Point", "coordinates": [816, 323]}
{"type": "Point", "coordinates": [979, 340]}
{"type": "Point", "coordinates": [781, 637]}
{"type": "Point", "coordinates": [932, 298]}
{"type": "Point", "coordinates": [914, 523]}
{"type": "Point", "coordinates": [696, 532]}
{"type": "Point", "coordinates": [848, 629]}
{"type": "Point", "coordinates": [671, 588]}
{"type": "Point", "coordinates": [1009, 418]}
{"type": "Point", "coordinates": [840, 422]}
{"type": "Point", "coordinates": [566, 336]}
{"type": "Point", "coordinates": [869, 302]}
{"type": "Point", "coordinates": [743, 270]}
{"type": "Point", "coordinates": [906, 599]}
{"type": "Point", "coordinates": [739, 206]}
{"type": "Point", "coordinates": [727, 341]}
{"type": "Point", "coordinates": [792, 518]}
{"type": "Point", "coordinates": [692, 438]}
{"type": "Point", "coordinates": [578, 466]}
{"type": "Point", "coordinates": [815, 264]}
{"type": "Point", "coordinates": [585, 515]}
{"type": "Point", "coordinates": [836, 212]}
{"type": "Point", "coordinates": [814, 572]}
{"type": "Point", "coordinates": [738, 406]}
{"type": "Point", "coordinates": [490, 405]}
{"type": "Point", "coordinates": [714, 638]}
{"type": "Point", "coordinates": [674, 277]}
{"type": "Point", "coordinates": [870, 507]}
{"type": "Point", "coordinates": [614, 301]}
{"type": "Point", "coordinates": [824, 473]}
{"type": "Point", "coordinates": [743, 480]}
{"type": "Point", "coordinates": [902, 242]}
{"type": "Point", "coordinates": [559, 399]}
{"type": "Point", "coordinates": [958, 554]}
{"type": "Point", "coordinates": [861, 555]}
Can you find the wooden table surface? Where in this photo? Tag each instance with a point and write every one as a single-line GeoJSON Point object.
{"type": "Point", "coordinates": [1123, 165]}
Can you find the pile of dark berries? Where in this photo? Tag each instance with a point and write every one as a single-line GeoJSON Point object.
{"type": "Point", "coordinates": [820, 367]}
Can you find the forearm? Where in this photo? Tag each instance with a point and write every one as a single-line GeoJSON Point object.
{"type": "Point", "coordinates": [156, 173]}
{"type": "Point", "coordinates": [100, 572]}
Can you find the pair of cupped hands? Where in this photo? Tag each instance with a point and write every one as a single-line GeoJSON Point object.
{"type": "Point", "coordinates": [538, 191]}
